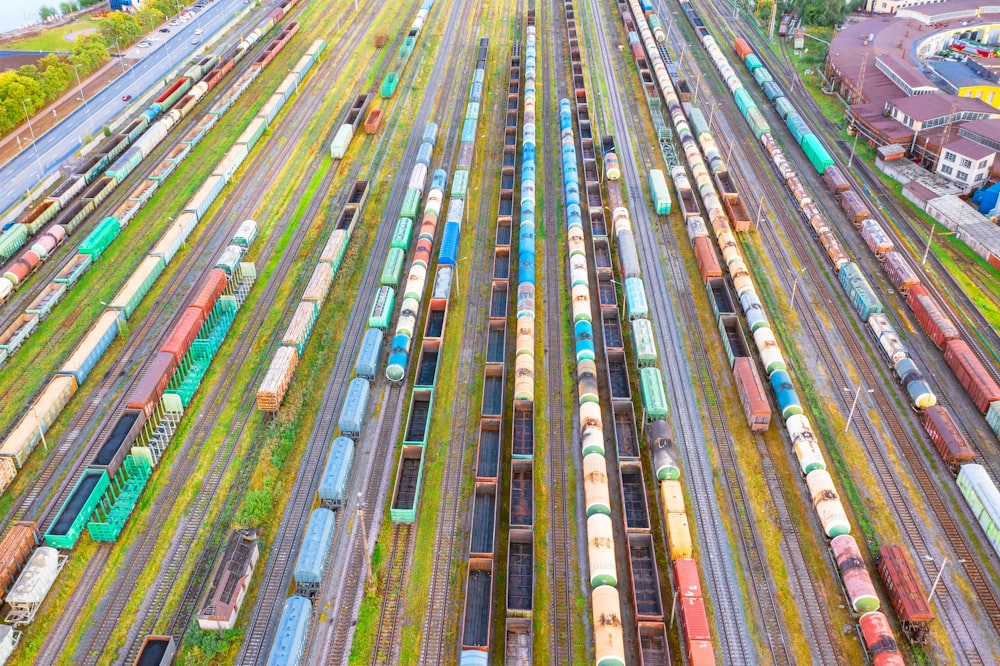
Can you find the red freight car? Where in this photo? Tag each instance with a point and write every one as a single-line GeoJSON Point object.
{"type": "Point", "coordinates": [972, 374]}
{"type": "Point", "coordinates": [930, 315]}
{"type": "Point", "coordinates": [947, 438]}
{"type": "Point", "coordinates": [694, 619]}
{"type": "Point", "coordinates": [210, 292]}
{"type": "Point", "coordinates": [906, 594]}
{"type": "Point", "coordinates": [700, 653]}
{"type": "Point", "coordinates": [15, 549]}
{"type": "Point", "coordinates": [154, 382]}
{"type": "Point", "coordinates": [184, 333]}
{"type": "Point", "coordinates": [879, 641]}
{"type": "Point", "coordinates": [854, 207]}
{"type": "Point", "coordinates": [686, 579]}
{"type": "Point", "coordinates": [742, 48]}
{"type": "Point", "coordinates": [708, 262]}
{"type": "Point", "coordinates": [752, 395]}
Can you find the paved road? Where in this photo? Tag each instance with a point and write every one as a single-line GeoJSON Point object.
{"type": "Point", "coordinates": [52, 149]}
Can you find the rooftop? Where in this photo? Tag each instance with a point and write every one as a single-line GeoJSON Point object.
{"type": "Point", "coordinates": [927, 107]}
{"type": "Point", "coordinates": [970, 149]}
{"type": "Point", "coordinates": [957, 74]}
{"type": "Point", "coordinates": [988, 129]}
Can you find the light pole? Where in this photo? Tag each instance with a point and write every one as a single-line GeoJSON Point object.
{"type": "Point", "coordinates": [795, 283]}
{"type": "Point", "coordinates": [364, 539]}
{"type": "Point", "coordinates": [927, 249]}
{"type": "Point", "coordinates": [34, 147]}
{"type": "Point", "coordinates": [711, 115]}
{"type": "Point", "coordinates": [937, 579]}
{"type": "Point", "coordinates": [86, 105]}
{"type": "Point", "coordinates": [760, 213]}
{"type": "Point", "coordinates": [854, 404]}
{"type": "Point", "coordinates": [118, 50]}
{"type": "Point", "coordinates": [697, 85]}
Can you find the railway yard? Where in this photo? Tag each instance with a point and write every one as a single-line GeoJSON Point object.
{"type": "Point", "coordinates": [522, 331]}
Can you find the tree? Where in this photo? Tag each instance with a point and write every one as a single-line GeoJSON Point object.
{"type": "Point", "coordinates": [165, 7]}
{"type": "Point", "coordinates": [89, 53]}
{"type": "Point", "coordinates": [257, 505]}
{"type": "Point", "coordinates": [68, 7]}
{"type": "Point", "coordinates": [821, 12]}
{"type": "Point", "coordinates": [45, 12]}
{"type": "Point", "coordinates": [120, 26]}
{"type": "Point", "coordinates": [149, 18]}
{"type": "Point", "coordinates": [18, 94]}
{"type": "Point", "coordinates": [56, 75]}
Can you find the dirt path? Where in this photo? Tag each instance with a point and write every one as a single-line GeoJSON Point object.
{"type": "Point", "coordinates": [71, 36]}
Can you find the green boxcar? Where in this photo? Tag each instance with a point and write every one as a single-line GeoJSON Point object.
{"type": "Point", "coordinates": [393, 268]}
{"type": "Point", "coordinates": [635, 299]}
{"type": "Point", "coordinates": [654, 397]}
{"type": "Point", "coordinates": [469, 130]}
{"type": "Point", "coordinates": [762, 76]}
{"type": "Point", "coordinates": [100, 238]}
{"type": "Point", "coordinates": [645, 344]}
{"type": "Point", "coordinates": [758, 124]}
{"type": "Point", "coordinates": [659, 191]}
{"type": "Point", "coordinates": [76, 511]}
{"type": "Point", "coordinates": [744, 101]}
{"type": "Point", "coordinates": [381, 313]}
{"type": "Point", "coordinates": [409, 476]}
{"type": "Point", "coordinates": [129, 297]}
{"type": "Point", "coordinates": [472, 111]}
{"type": "Point", "coordinates": [403, 234]}
{"type": "Point", "coordinates": [783, 107]}
{"type": "Point", "coordinates": [993, 416]}
{"type": "Point", "coordinates": [816, 153]}
{"type": "Point", "coordinates": [753, 62]}
{"type": "Point", "coordinates": [698, 124]}
{"type": "Point", "coordinates": [460, 184]}
{"type": "Point", "coordinates": [389, 84]}
{"type": "Point", "coordinates": [411, 204]}
{"type": "Point", "coordinates": [12, 240]}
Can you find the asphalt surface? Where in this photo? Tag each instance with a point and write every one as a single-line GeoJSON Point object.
{"type": "Point", "coordinates": [33, 163]}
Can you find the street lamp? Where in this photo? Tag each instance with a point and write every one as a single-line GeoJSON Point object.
{"type": "Point", "coordinates": [38, 161]}
{"type": "Point", "coordinates": [364, 539]}
{"type": "Point", "coordinates": [937, 579]}
{"type": "Point", "coordinates": [118, 50]}
{"type": "Point", "coordinates": [795, 284]}
{"type": "Point", "coordinates": [854, 404]}
{"type": "Point", "coordinates": [86, 104]}
{"type": "Point", "coordinates": [927, 249]}
{"type": "Point", "coordinates": [711, 115]}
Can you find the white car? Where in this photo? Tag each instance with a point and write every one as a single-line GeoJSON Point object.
{"type": "Point", "coordinates": [175, 22]}
{"type": "Point", "coordinates": [143, 45]}
{"type": "Point", "coordinates": [198, 31]}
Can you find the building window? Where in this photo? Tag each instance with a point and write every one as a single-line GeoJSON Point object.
{"type": "Point", "coordinates": [946, 169]}
{"type": "Point", "coordinates": [982, 164]}
{"type": "Point", "coordinates": [949, 156]}
{"type": "Point", "coordinates": [962, 175]}
{"type": "Point", "coordinates": [966, 163]}
{"type": "Point", "coordinates": [980, 176]}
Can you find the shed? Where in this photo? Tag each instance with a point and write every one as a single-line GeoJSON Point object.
{"type": "Point", "coordinates": [230, 582]}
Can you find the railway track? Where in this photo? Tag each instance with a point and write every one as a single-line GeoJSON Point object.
{"type": "Point", "coordinates": [190, 526]}
{"type": "Point", "coordinates": [553, 55]}
{"type": "Point", "coordinates": [761, 585]}
{"type": "Point", "coordinates": [137, 347]}
{"type": "Point", "coordinates": [957, 620]}
{"type": "Point", "coordinates": [252, 649]}
{"type": "Point", "coordinates": [434, 646]}
{"type": "Point", "coordinates": [399, 556]}
{"type": "Point", "coordinates": [43, 276]}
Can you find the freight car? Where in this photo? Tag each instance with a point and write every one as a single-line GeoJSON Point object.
{"type": "Point", "coordinates": [906, 593]}
{"type": "Point", "coordinates": [290, 641]}
{"type": "Point", "coordinates": [983, 499]}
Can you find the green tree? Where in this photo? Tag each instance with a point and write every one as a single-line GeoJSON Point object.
{"type": "Point", "coordinates": [89, 53]}
{"type": "Point", "coordinates": [257, 505]}
{"type": "Point", "coordinates": [56, 75]}
{"type": "Point", "coordinates": [45, 12]}
{"type": "Point", "coordinates": [165, 7]}
{"type": "Point", "coordinates": [149, 18]}
{"type": "Point", "coordinates": [209, 646]}
{"type": "Point", "coordinates": [125, 27]}
{"type": "Point", "coordinates": [821, 12]}
{"type": "Point", "coordinates": [18, 94]}
{"type": "Point", "coordinates": [68, 7]}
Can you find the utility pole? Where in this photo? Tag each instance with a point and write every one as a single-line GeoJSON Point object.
{"type": "Point", "coordinates": [937, 579]}
{"type": "Point", "coordinates": [774, 14]}
{"type": "Point", "coordinates": [364, 539]}
{"type": "Point", "coordinates": [34, 146]}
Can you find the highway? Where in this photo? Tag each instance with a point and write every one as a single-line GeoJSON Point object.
{"type": "Point", "coordinates": [53, 148]}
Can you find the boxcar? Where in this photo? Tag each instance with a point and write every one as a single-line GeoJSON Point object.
{"type": "Point", "coordinates": [906, 593]}
{"type": "Point", "coordinates": [948, 439]}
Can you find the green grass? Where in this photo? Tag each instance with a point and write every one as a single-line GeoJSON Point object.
{"type": "Point", "coordinates": [52, 40]}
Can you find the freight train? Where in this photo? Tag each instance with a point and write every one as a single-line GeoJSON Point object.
{"type": "Point", "coordinates": [109, 228]}
{"type": "Point", "coordinates": [115, 159]}
{"type": "Point", "coordinates": [826, 502]}
{"type": "Point", "coordinates": [19, 442]}
{"type": "Point", "coordinates": [975, 378]}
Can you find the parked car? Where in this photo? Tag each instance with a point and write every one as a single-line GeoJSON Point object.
{"type": "Point", "coordinates": [164, 29]}
{"type": "Point", "coordinates": [143, 45]}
